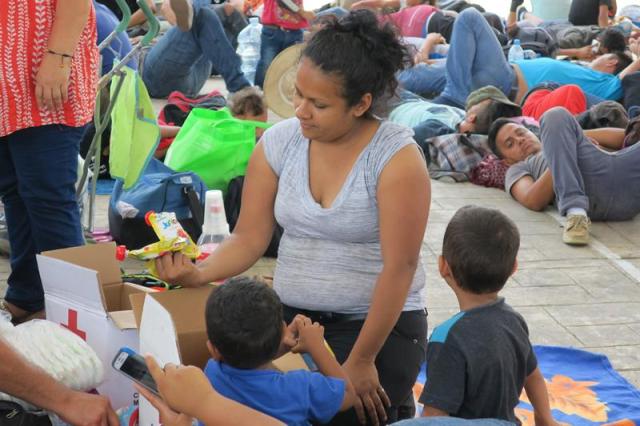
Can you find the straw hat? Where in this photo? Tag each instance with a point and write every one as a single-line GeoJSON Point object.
{"type": "Point", "coordinates": [280, 79]}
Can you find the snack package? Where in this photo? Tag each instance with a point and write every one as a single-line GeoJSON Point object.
{"type": "Point", "coordinates": [171, 238]}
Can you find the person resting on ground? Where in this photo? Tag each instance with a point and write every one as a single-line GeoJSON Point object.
{"type": "Point", "coordinates": [589, 173]}
{"type": "Point", "coordinates": [182, 58]}
{"type": "Point", "coordinates": [476, 59]}
{"type": "Point", "coordinates": [480, 359]}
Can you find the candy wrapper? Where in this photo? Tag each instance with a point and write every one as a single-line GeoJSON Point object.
{"type": "Point", "coordinates": [171, 238]}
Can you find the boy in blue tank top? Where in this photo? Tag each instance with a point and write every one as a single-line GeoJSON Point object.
{"type": "Point", "coordinates": [246, 332]}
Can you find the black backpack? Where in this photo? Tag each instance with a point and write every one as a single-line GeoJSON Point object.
{"type": "Point", "coordinates": [536, 39]}
{"type": "Point", "coordinates": [232, 203]}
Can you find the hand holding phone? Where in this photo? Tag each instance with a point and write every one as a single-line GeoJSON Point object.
{"type": "Point", "coordinates": [132, 365]}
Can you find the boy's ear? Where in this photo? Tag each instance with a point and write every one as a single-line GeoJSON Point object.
{"type": "Point", "coordinates": [515, 267]}
{"type": "Point", "coordinates": [213, 351]}
{"type": "Point", "coordinates": [443, 267]}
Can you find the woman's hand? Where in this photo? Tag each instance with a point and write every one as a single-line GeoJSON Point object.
{"type": "Point", "coordinates": [52, 82]}
{"type": "Point", "coordinates": [178, 269]}
{"type": "Point", "coordinates": [372, 397]}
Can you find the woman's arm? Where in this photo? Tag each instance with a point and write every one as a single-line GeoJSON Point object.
{"type": "Point", "coordinates": [404, 197]}
{"type": "Point", "coordinates": [249, 239]}
{"type": "Point", "coordinates": [52, 78]}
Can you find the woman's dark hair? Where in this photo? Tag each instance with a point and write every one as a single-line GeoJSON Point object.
{"type": "Point", "coordinates": [361, 53]}
{"type": "Point", "coordinates": [624, 61]}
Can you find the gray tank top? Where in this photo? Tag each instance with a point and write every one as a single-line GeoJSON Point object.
{"type": "Point", "coordinates": [329, 259]}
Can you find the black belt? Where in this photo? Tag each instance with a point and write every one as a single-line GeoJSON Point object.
{"type": "Point", "coordinates": [275, 27]}
{"type": "Point", "coordinates": [323, 317]}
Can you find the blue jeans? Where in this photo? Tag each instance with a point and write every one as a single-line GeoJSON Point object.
{"type": "Point", "coordinates": [38, 172]}
{"type": "Point", "coordinates": [183, 60]}
{"type": "Point", "coordinates": [274, 41]}
{"type": "Point", "coordinates": [452, 421]}
{"type": "Point", "coordinates": [423, 79]}
{"type": "Point", "coordinates": [605, 184]}
{"type": "Point", "coordinates": [475, 60]}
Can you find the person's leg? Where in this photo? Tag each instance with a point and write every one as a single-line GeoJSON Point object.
{"type": "Point", "coordinates": [170, 63]}
{"type": "Point", "coordinates": [423, 79]}
{"type": "Point", "coordinates": [271, 42]}
{"type": "Point", "coordinates": [475, 59]}
{"type": "Point", "coordinates": [40, 203]}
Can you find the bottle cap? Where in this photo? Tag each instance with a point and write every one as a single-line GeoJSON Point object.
{"type": "Point", "coordinates": [254, 20]}
{"type": "Point", "coordinates": [215, 219]}
{"type": "Point", "coordinates": [121, 253]}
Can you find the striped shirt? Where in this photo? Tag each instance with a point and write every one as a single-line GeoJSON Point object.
{"type": "Point", "coordinates": [25, 27]}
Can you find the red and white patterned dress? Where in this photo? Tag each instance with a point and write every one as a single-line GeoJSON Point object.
{"type": "Point", "coordinates": [25, 26]}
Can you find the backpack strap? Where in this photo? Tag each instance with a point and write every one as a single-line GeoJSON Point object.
{"type": "Point", "coordinates": [195, 207]}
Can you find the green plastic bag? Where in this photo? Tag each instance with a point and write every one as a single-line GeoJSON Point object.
{"type": "Point", "coordinates": [214, 145]}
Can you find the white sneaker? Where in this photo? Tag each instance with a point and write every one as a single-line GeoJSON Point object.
{"type": "Point", "coordinates": [576, 230]}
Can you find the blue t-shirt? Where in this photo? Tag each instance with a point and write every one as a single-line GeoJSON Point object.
{"type": "Point", "coordinates": [606, 86]}
{"type": "Point", "coordinates": [107, 22]}
{"type": "Point", "coordinates": [295, 398]}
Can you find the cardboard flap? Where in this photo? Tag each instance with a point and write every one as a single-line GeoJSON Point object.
{"type": "Point", "coordinates": [124, 320]}
{"type": "Point", "coordinates": [157, 333]}
{"type": "Point", "coordinates": [67, 281]}
{"type": "Point", "coordinates": [290, 362]}
{"type": "Point", "coordinates": [99, 257]}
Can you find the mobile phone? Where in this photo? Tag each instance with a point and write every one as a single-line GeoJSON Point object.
{"type": "Point", "coordinates": [132, 365]}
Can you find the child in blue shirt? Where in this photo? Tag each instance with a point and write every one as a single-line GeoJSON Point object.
{"type": "Point", "coordinates": [246, 332]}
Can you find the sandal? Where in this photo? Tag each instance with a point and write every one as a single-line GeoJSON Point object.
{"type": "Point", "coordinates": [18, 315]}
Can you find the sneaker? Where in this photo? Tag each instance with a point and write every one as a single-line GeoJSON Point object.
{"type": "Point", "coordinates": [576, 230]}
{"type": "Point", "coordinates": [184, 13]}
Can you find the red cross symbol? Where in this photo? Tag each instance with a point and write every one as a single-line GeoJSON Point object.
{"type": "Point", "coordinates": [72, 319]}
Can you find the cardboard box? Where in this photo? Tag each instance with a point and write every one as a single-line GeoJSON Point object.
{"type": "Point", "coordinates": [173, 329]}
{"type": "Point", "coordinates": [84, 293]}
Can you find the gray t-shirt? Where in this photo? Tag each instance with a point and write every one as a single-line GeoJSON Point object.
{"type": "Point", "coordinates": [533, 165]}
{"type": "Point", "coordinates": [329, 259]}
{"type": "Point", "coordinates": [477, 363]}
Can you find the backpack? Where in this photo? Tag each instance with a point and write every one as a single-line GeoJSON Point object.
{"type": "Point", "coordinates": [178, 107]}
{"type": "Point", "coordinates": [536, 39]}
{"type": "Point", "coordinates": [232, 204]}
{"type": "Point", "coordinates": [13, 414]}
{"type": "Point", "coordinates": [159, 189]}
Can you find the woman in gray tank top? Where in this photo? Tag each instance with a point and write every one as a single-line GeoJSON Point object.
{"type": "Point", "coordinates": [352, 194]}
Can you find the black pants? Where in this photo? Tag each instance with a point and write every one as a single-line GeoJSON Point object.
{"type": "Point", "coordinates": [398, 362]}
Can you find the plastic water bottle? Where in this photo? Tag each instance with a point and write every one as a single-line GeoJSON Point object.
{"type": "Point", "coordinates": [249, 48]}
{"type": "Point", "coordinates": [515, 52]}
{"type": "Point", "coordinates": [215, 228]}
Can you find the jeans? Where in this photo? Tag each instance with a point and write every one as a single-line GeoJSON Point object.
{"type": "Point", "coordinates": [475, 60]}
{"type": "Point", "coordinates": [38, 172]}
{"type": "Point", "coordinates": [398, 362]}
{"type": "Point", "coordinates": [273, 41]}
{"type": "Point", "coordinates": [452, 421]}
{"type": "Point", "coordinates": [584, 175]}
{"type": "Point", "coordinates": [423, 79]}
{"type": "Point", "coordinates": [183, 60]}
{"type": "Point", "coordinates": [631, 88]}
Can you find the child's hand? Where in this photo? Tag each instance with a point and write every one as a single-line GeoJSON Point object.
{"type": "Point", "coordinates": [290, 336]}
{"type": "Point", "coordinates": [310, 336]}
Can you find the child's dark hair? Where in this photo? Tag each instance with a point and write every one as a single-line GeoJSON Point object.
{"type": "Point", "coordinates": [244, 322]}
{"type": "Point", "coordinates": [624, 60]}
{"type": "Point", "coordinates": [612, 39]}
{"type": "Point", "coordinates": [249, 100]}
{"type": "Point", "coordinates": [480, 245]}
{"type": "Point", "coordinates": [362, 54]}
